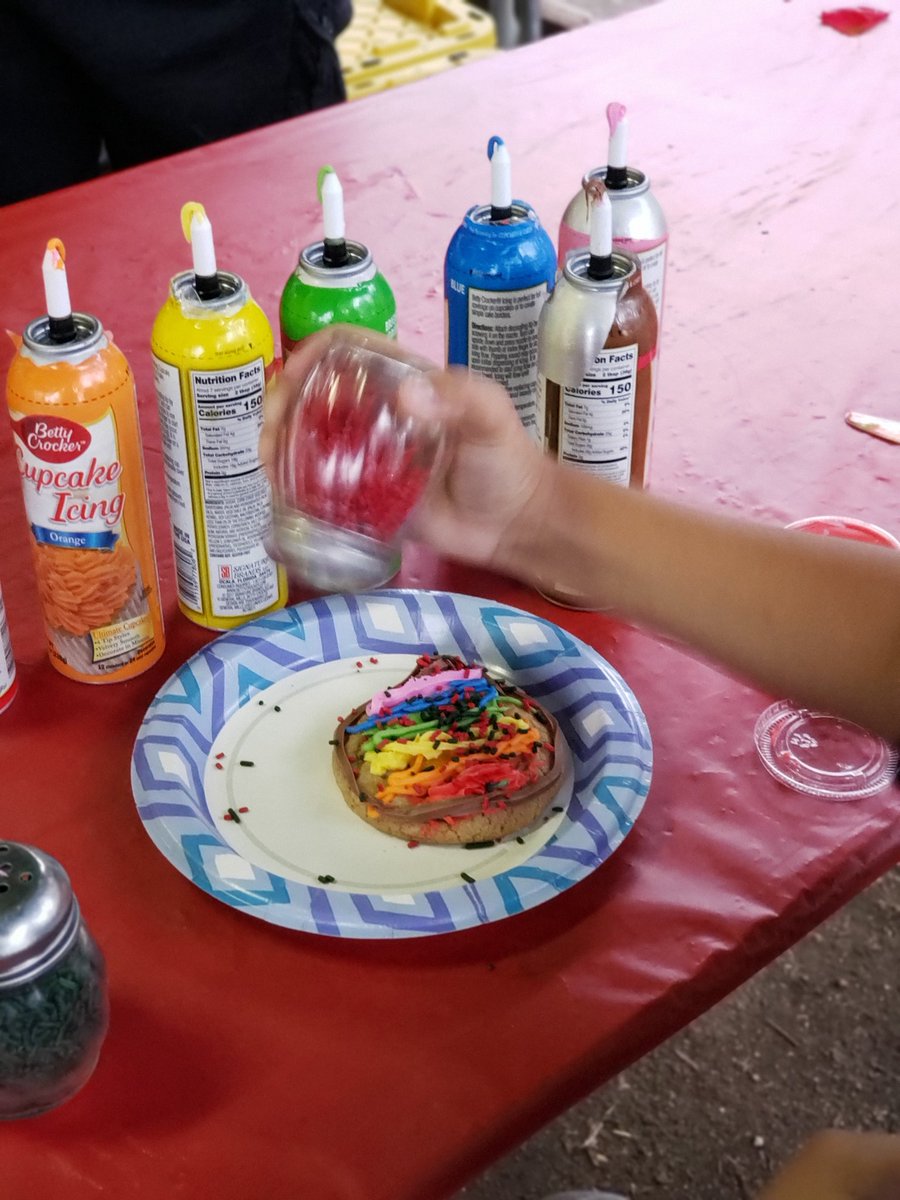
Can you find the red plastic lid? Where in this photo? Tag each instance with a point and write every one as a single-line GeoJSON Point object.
{"type": "Point", "coordinates": [847, 527]}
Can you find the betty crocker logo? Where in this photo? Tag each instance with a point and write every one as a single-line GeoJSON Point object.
{"type": "Point", "coordinates": [56, 440]}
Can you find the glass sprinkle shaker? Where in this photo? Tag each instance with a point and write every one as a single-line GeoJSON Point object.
{"type": "Point", "coordinates": [53, 999]}
{"type": "Point", "coordinates": [348, 468]}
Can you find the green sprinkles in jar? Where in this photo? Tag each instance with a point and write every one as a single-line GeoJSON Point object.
{"type": "Point", "coordinates": [53, 1006]}
{"type": "Point", "coordinates": [49, 1025]}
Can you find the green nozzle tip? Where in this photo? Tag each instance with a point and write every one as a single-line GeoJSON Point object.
{"type": "Point", "coordinates": [320, 179]}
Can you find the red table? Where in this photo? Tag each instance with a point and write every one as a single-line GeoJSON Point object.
{"type": "Point", "coordinates": [245, 1061]}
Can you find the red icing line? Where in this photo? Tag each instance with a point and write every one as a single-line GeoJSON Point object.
{"type": "Point", "coordinates": [853, 21]}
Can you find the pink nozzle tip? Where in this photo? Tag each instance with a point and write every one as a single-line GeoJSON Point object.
{"type": "Point", "coordinates": [614, 114]}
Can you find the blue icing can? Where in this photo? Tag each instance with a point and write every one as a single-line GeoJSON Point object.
{"type": "Point", "coordinates": [497, 276]}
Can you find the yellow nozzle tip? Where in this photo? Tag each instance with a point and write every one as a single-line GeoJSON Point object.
{"type": "Point", "coordinates": [188, 211]}
{"type": "Point", "coordinates": [320, 179]}
{"type": "Point", "coordinates": [56, 244]}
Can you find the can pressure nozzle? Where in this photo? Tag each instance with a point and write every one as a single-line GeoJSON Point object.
{"type": "Point", "coordinates": [501, 180]}
{"type": "Point", "coordinates": [600, 264]}
{"type": "Point", "coordinates": [617, 155]}
{"type": "Point", "coordinates": [56, 291]}
{"type": "Point", "coordinates": [198, 231]}
{"type": "Point", "coordinates": [331, 197]}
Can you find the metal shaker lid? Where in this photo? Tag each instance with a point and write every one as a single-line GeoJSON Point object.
{"type": "Point", "coordinates": [39, 914]}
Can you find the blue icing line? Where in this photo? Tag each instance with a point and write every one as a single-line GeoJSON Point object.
{"type": "Point", "coordinates": [408, 707]}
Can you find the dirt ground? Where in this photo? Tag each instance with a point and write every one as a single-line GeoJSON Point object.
{"type": "Point", "coordinates": [811, 1042]}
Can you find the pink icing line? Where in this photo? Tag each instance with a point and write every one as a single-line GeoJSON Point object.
{"type": "Point", "coordinates": [420, 685]}
{"type": "Point", "coordinates": [614, 114]}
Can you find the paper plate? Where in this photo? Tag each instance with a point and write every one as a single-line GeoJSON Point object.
{"type": "Point", "coordinates": [245, 725]}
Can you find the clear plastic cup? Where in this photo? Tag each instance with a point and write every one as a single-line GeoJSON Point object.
{"type": "Point", "coordinates": [348, 469]}
{"type": "Point", "coordinates": [815, 752]}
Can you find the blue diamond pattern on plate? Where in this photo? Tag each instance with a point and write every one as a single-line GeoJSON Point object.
{"type": "Point", "coordinates": [597, 712]}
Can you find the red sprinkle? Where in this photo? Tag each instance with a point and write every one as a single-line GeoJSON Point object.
{"type": "Point", "coordinates": [227, 817]}
{"type": "Point", "coordinates": [244, 809]}
{"type": "Point", "coordinates": [219, 767]}
{"type": "Point", "coordinates": [359, 664]}
{"type": "Point", "coordinates": [412, 845]}
{"type": "Point", "coordinates": [221, 754]}
{"type": "Point", "coordinates": [375, 660]}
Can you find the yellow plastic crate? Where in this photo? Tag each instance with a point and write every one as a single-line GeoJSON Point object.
{"type": "Point", "coordinates": [387, 44]}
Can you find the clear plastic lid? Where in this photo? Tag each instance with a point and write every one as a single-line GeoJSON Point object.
{"type": "Point", "coordinates": [823, 755]}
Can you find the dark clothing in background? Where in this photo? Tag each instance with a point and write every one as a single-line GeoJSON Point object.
{"type": "Point", "coordinates": [147, 78]}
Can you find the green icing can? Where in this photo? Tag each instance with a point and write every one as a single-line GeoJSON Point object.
{"type": "Point", "coordinates": [318, 294]}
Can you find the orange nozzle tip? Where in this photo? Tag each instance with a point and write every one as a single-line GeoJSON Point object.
{"type": "Point", "coordinates": [15, 338]}
{"type": "Point", "coordinates": [55, 245]}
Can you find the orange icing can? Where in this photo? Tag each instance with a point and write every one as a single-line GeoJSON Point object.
{"type": "Point", "coordinates": [73, 407]}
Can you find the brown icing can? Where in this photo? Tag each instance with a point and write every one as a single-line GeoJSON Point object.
{"type": "Point", "coordinates": [597, 343]}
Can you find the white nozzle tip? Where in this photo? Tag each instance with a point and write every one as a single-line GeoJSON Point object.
{"type": "Point", "coordinates": [601, 225]}
{"type": "Point", "coordinates": [331, 195]}
{"type": "Point", "coordinates": [501, 174]}
{"type": "Point", "coordinates": [202, 246]}
{"type": "Point", "coordinates": [618, 135]}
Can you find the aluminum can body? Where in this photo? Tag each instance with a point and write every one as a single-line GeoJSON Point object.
{"type": "Point", "coordinates": [497, 277]}
{"type": "Point", "coordinates": [597, 349]}
{"type": "Point", "coordinates": [211, 361]}
{"type": "Point", "coordinates": [316, 296]}
{"type": "Point", "coordinates": [78, 445]}
{"type": "Point", "coordinates": [638, 226]}
{"type": "Point", "coordinates": [597, 345]}
{"type": "Point", "coordinates": [8, 682]}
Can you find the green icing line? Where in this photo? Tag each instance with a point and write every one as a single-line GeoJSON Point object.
{"type": "Point", "coordinates": [493, 708]}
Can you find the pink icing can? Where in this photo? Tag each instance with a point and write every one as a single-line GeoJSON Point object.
{"type": "Point", "coordinates": [638, 223]}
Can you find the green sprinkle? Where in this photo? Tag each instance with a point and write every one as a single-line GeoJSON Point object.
{"type": "Point", "coordinates": [468, 878]}
{"type": "Point", "coordinates": [246, 762]}
{"type": "Point", "coordinates": [278, 708]}
{"type": "Point", "coordinates": [325, 878]}
{"type": "Point", "coordinates": [521, 841]}
{"type": "Point", "coordinates": [557, 808]}
{"type": "Point", "coordinates": [478, 845]}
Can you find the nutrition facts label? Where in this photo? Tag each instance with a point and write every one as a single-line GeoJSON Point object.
{"type": "Point", "coordinates": [503, 344]}
{"type": "Point", "coordinates": [178, 484]}
{"type": "Point", "coordinates": [223, 486]}
{"type": "Point", "coordinates": [596, 424]}
{"type": "Point", "coordinates": [236, 496]}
